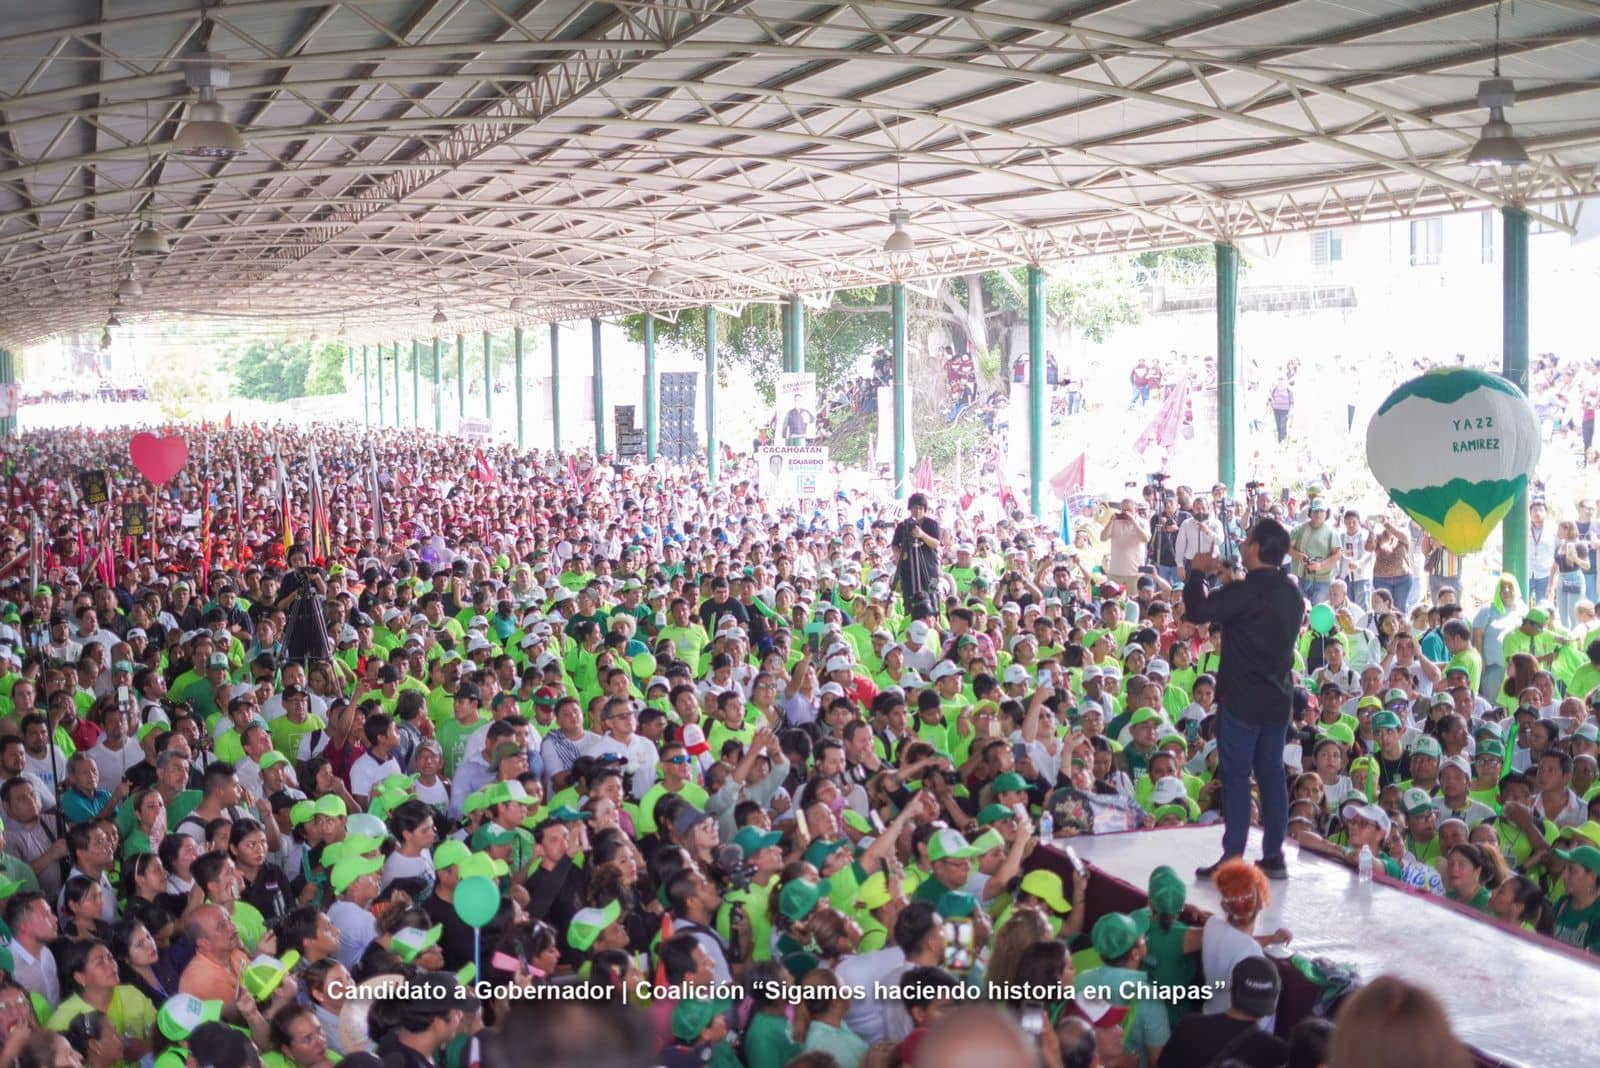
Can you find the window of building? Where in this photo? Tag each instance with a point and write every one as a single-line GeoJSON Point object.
{"type": "Point", "coordinates": [1486, 231]}
{"type": "Point", "coordinates": [1327, 248]}
{"type": "Point", "coordinates": [1427, 241]}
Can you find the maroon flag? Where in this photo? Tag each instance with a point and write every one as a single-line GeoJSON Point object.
{"type": "Point", "coordinates": [1069, 479]}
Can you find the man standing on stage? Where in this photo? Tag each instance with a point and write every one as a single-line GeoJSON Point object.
{"type": "Point", "coordinates": [916, 554]}
{"type": "Point", "coordinates": [1260, 616]}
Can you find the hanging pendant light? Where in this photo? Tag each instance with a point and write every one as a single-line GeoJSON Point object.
{"type": "Point", "coordinates": [114, 320]}
{"type": "Point", "coordinates": [439, 317]}
{"type": "Point", "coordinates": [658, 279]}
{"type": "Point", "coordinates": [148, 239]}
{"type": "Point", "coordinates": [105, 340]}
{"type": "Point", "coordinates": [899, 241]}
{"type": "Point", "coordinates": [514, 305]}
{"type": "Point", "coordinates": [206, 132]}
{"type": "Point", "coordinates": [1497, 145]}
{"type": "Point", "coordinates": [130, 287]}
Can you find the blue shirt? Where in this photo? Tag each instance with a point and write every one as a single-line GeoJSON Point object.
{"type": "Point", "coordinates": [79, 807]}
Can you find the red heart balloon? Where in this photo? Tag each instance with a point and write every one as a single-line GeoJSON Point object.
{"type": "Point", "coordinates": [158, 459]}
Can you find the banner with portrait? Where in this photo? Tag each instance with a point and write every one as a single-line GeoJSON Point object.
{"type": "Point", "coordinates": [797, 406]}
{"type": "Point", "coordinates": [793, 472]}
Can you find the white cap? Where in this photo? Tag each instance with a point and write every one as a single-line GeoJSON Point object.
{"type": "Point", "coordinates": [1014, 674]}
{"type": "Point", "coordinates": [1458, 762]}
{"type": "Point", "coordinates": [1019, 637]}
{"type": "Point", "coordinates": [918, 632]}
{"type": "Point", "coordinates": [391, 614]}
{"type": "Point", "coordinates": [838, 663]}
{"type": "Point", "coordinates": [347, 633]}
{"type": "Point", "coordinates": [1168, 791]}
{"type": "Point", "coordinates": [943, 670]}
{"type": "Point", "coordinates": [1158, 666]}
{"type": "Point", "coordinates": [476, 643]}
{"type": "Point", "coordinates": [1012, 607]}
{"type": "Point", "coordinates": [1092, 672]}
{"type": "Point", "coordinates": [832, 689]}
{"type": "Point", "coordinates": [478, 623]}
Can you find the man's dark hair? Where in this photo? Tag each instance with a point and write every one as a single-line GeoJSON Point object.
{"type": "Point", "coordinates": [217, 776]}
{"type": "Point", "coordinates": [913, 926]}
{"type": "Point", "coordinates": [376, 726]}
{"type": "Point", "coordinates": [677, 956]}
{"type": "Point", "coordinates": [1272, 541]}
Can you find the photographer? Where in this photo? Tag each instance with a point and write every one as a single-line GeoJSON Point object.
{"type": "Point", "coordinates": [1127, 536]}
{"type": "Point", "coordinates": [1167, 518]}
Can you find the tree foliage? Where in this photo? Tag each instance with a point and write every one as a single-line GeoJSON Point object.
{"type": "Point", "coordinates": [854, 323]}
{"type": "Point", "coordinates": [279, 371]}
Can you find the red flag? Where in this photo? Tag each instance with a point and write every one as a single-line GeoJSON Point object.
{"type": "Point", "coordinates": [1168, 423]}
{"type": "Point", "coordinates": [484, 472]}
{"type": "Point", "coordinates": [922, 477]}
{"type": "Point", "coordinates": [1069, 479]}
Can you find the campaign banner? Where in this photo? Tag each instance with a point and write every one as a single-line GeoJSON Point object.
{"type": "Point", "coordinates": [135, 519]}
{"type": "Point", "coordinates": [94, 486]}
{"type": "Point", "coordinates": [797, 406]}
{"type": "Point", "coordinates": [475, 427]}
{"type": "Point", "coordinates": [792, 472]}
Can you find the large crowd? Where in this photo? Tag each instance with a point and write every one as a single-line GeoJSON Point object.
{"type": "Point", "coordinates": [699, 743]}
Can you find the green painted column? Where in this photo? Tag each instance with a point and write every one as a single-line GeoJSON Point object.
{"type": "Point", "coordinates": [1514, 368]}
{"type": "Point", "coordinates": [599, 390]}
{"type": "Point", "coordinates": [349, 357]}
{"type": "Point", "coordinates": [461, 376]}
{"type": "Point", "coordinates": [798, 326]}
{"type": "Point", "coordinates": [488, 376]}
{"type": "Point", "coordinates": [1036, 390]}
{"type": "Point", "coordinates": [786, 325]}
{"type": "Point", "coordinates": [438, 390]}
{"type": "Point", "coordinates": [650, 401]}
{"type": "Point", "coordinates": [380, 385]}
{"type": "Point", "coordinates": [711, 396]}
{"type": "Point", "coordinates": [1227, 371]}
{"type": "Point", "coordinates": [366, 388]}
{"type": "Point", "coordinates": [897, 297]}
{"type": "Point", "coordinates": [416, 382]}
{"type": "Point", "coordinates": [516, 356]}
{"type": "Point", "coordinates": [8, 375]}
{"type": "Point", "coordinates": [397, 384]}
{"type": "Point", "coordinates": [555, 382]}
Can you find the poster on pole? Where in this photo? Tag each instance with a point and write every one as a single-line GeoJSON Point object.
{"type": "Point", "coordinates": [885, 455]}
{"type": "Point", "coordinates": [475, 427]}
{"type": "Point", "coordinates": [793, 472]}
{"type": "Point", "coordinates": [797, 406]}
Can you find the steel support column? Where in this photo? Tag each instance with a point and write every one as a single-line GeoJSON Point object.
{"type": "Point", "coordinates": [1227, 271]}
{"type": "Point", "coordinates": [8, 376]}
{"type": "Point", "coordinates": [599, 391]}
{"type": "Point", "coordinates": [366, 389]}
{"type": "Point", "coordinates": [555, 382]}
{"type": "Point", "coordinates": [416, 382]}
{"type": "Point", "coordinates": [438, 388]}
{"type": "Point", "coordinates": [461, 376]}
{"type": "Point", "coordinates": [488, 376]}
{"type": "Point", "coordinates": [651, 403]}
{"type": "Point", "coordinates": [1514, 368]}
{"type": "Point", "coordinates": [897, 295]}
{"type": "Point", "coordinates": [1036, 390]}
{"type": "Point", "coordinates": [786, 324]}
{"type": "Point", "coordinates": [516, 356]}
{"type": "Point", "coordinates": [380, 385]}
{"type": "Point", "coordinates": [711, 396]}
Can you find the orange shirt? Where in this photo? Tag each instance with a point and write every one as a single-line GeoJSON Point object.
{"type": "Point", "coordinates": [210, 981]}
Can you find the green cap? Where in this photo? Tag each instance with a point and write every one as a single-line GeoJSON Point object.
{"type": "Point", "coordinates": [691, 1018]}
{"type": "Point", "coordinates": [799, 899]}
{"type": "Point", "coordinates": [1047, 887]}
{"type": "Point", "coordinates": [302, 812]}
{"type": "Point", "coordinates": [567, 814]}
{"type": "Point", "coordinates": [587, 925]}
{"type": "Point", "coordinates": [1385, 721]}
{"type": "Point", "coordinates": [1168, 894]}
{"type": "Point", "coordinates": [332, 805]}
{"type": "Point", "coordinates": [349, 870]}
{"type": "Point", "coordinates": [263, 975]}
{"type": "Point", "coordinates": [947, 844]}
{"type": "Point", "coordinates": [1585, 856]}
{"type": "Point", "coordinates": [409, 943]}
{"type": "Point", "coordinates": [484, 865]}
{"type": "Point", "coordinates": [355, 845]}
{"type": "Point", "coordinates": [1116, 933]}
{"type": "Point", "coordinates": [271, 759]}
{"type": "Point", "coordinates": [1490, 748]}
{"type": "Point", "coordinates": [990, 839]}
{"type": "Point", "coordinates": [449, 853]}
{"type": "Point", "coordinates": [1341, 733]}
{"type": "Point", "coordinates": [1008, 782]}
{"type": "Point", "coordinates": [1536, 615]}
{"type": "Point", "coordinates": [181, 1014]}
{"type": "Point", "coordinates": [818, 852]}
{"type": "Point", "coordinates": [752, 840]}
{"type": "Point", "coordinates": [1427, 746]}
{"type": "Point", "coordinates": [857, 822]}
{"type": "Point", "coordinates": [1144, 715]}
{"type": "Point", "coordinates": [1393, 697]}
{"type": "Point", "coordinates": [992, 814]}
{"type": "Point", "coordinates": [1416, 801]}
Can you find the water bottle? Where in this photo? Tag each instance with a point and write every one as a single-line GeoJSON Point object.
{"type": "Point", "coordinates": [1047, 826]}
{"type": "Point", "coordinates": [1364, 865]}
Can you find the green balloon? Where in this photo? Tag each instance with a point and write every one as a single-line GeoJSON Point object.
{"type": "Point", "coordinates": [477, 900]}
{"type": "Point", "coordinates": [1322, 619]}
{"type": "Point", "coordinates": [644, 666]}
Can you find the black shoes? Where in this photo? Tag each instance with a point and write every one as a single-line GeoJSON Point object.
{"type": "Point", "coordinates": [1206, 871]}
{"type": "Point", "coordinates": [1273, 867]}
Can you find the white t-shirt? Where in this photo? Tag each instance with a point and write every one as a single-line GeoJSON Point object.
{"type": "Point", "coordinates": [1221, 947]}
{"type": "Point", "coordinates": [399, 866]}
{"type": "Point", "coordinates": [114, 763]}
{"type": "Point", "coordinates": [357, 928]}
{"type": "Point", "coordinates": [864, 1016]}
{"type": "Point", "coordinates": [368, 771]}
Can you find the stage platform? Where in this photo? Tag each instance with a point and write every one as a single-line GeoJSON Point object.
{"type": "Point", "coordinates": [1517, 1000]}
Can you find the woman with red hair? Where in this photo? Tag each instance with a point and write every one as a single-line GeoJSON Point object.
{"type": "Point", "coordinates": [1230, 937]}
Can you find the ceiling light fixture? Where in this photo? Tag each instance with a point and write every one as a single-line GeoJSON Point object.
{"type": "Point", "coordinates": [148, 240]}
{"type": "Point", "coordinates": [113, 320]}
{"type": "Point", "coordinates": [206, 132]}
{"type": "Point", "coordinates": [899, 241]}
{"type": "Point", "coordinates": [105, 340]}
{"type": "Point", "coordinates": [658, 279]}
{"type": "Point", "coordinates": [439, 317]}
{"type": "Point", "coordinates": [515, 304]}
{"type": "Point", "coordinates": [130, 286]}
{"type": "Point", "coordinates": [1497, 145]}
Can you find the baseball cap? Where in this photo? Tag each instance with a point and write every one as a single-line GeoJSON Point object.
{"type": "Point", "coordinates": [1370, 813]}
{"type": "Point", "coordinates": [1427, 746]}
{"type": "Point", "coordinates": [1458, 762]}
{"type": "Point", "coordinates": [1585, 856]}
{"type": "Point", "coordinates": [351, 868]}
{"type": "Point", "coordinates": [1046, 886]}
{"type": "Point", "coordinates": [449, 853]}
{"type": "Point", "coordinates": [263, 974]}
{"type": "Point", "coordinates": [691, 1018]}
{"type": "Point", "coordinates": [1008, 782]}
{"type": "Point", "coordinates": [799, 899]}
{"type": "Point", "coordinates": [1385, 721]}
{"type": "Point", "coordinates": [1116, 933]}
{"type": "Point", "coordinates": [217, 660]}
{"type": "Point", "coordinates": [1416, 801]}
{"type": "Point", "coordinates": [182, 1013]}
{"type": "Point", "coordinates": [752, 839]}
{"type": "Point", "coordinates": [1254, 987]}
{"type": "Point", "coordinates": [944, 669]}
{"type": "Point", "coordinates": [1144, 715]}
{"type": "Point", "coordinates": [688, 820]}
{"type": "Point", "coordinates": [992, 814]}
{"type": "Point", "coordinates": [589, 924]}
{"type": "Point", "coordinates": [948, 844]}
{"type": "Point", "coordinates": [1015, 674]}
{"type": "Point", "coordinates": [839, 663]}
{"type": "Point", "coordinates": [1168, 894]}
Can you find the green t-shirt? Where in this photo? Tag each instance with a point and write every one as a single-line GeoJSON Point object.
{"type": "Point", "coordinates": [452, 735]}
{"type": "Point", "coordinates": [1578, 927]}
{"type": "Point", "coordinates": [768, 1043]}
